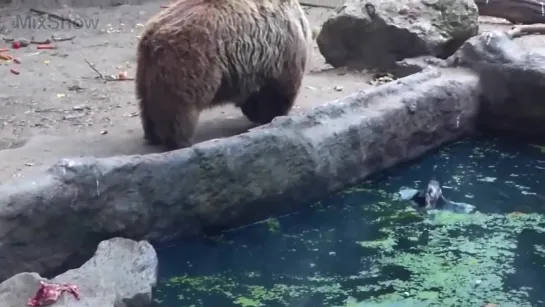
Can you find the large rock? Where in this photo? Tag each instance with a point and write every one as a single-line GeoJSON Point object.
{"type": "Point", "coordinates": [513, 82]}
{"type": "Point", "coordinates": [122, 273]}
{"type": "Point", "coordinates": [377, 33]}
{"type": "Point", "coordinates": [46, 222]}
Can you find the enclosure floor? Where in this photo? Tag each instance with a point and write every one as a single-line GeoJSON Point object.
{"type": "Point", "coordinates": [366, 247]}
{"type": "Point", "coordinates": [56, 107]}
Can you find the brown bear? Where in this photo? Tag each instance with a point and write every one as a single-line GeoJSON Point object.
{"type": "Point", "coordinates": [197, 54]}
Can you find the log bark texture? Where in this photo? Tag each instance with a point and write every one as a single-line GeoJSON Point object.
{"type": "Point", "coordinates": [515, 11]}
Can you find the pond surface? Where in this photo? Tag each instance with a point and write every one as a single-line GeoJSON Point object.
{"type": "Point", "coordinates": [366, 247]}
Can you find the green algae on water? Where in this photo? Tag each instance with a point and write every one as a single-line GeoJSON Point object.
{"type": "Point", "coordinates": [455, 267]}
{"type": "Point", "coordinates": [273, 224]}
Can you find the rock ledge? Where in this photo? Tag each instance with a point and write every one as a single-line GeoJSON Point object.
{"type": "Point", "coordinates": [55, 220]}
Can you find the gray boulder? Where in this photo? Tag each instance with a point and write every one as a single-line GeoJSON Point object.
{"type": "Point", "coordinates": [122, 273]}
{"type": "Point", "coordinates": [377, 33]}
{"type": "Point", "coordinates": [512, 80]}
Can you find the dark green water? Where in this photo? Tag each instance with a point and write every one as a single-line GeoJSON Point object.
{"type": "Point", "coordinates": [365, 247]}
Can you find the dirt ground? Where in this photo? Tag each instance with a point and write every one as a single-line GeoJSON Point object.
{"type": "Point", "coordinates": [56, 107]}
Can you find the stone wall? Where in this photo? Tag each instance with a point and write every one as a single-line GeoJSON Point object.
{"type": "Point", "coordinates": [55, 220]}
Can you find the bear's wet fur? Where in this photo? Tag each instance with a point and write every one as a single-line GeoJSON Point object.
{"type": "Point", "coordinates": [199, 54]}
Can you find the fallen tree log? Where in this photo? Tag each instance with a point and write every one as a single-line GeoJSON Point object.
{"type": "Point", "coordinates": [515, 11]}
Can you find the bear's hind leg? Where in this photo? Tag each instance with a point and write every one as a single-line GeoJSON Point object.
{"type": "Point", "coordinates": [168, 116]}
{"type": "Point", "coordinates": [150, 134]}
{"type": "Point", "coordinates": [148, 125]}
{"type": "Point", "coordinates": [183, 128]}
{"type": "Point", "coordinates": [275, 98]}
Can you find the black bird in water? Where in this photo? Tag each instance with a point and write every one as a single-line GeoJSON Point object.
{"type": "Point", "coordinates": [432, 198]}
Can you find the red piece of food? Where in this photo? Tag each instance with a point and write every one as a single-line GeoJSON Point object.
{"type": "Point", "coordinates": [50, 293]}
{"type": "Point", "coordinates": [16, 45]}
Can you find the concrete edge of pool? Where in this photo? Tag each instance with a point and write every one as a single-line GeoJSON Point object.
{"type": "Point", "coordinates": [273, 169]}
